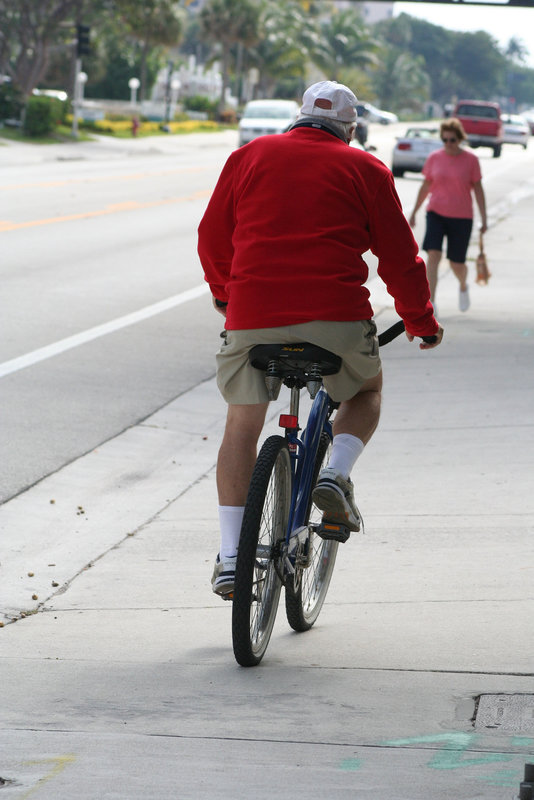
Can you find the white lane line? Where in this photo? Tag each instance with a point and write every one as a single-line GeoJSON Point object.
{"type": "Point", "coordinates": [54, 349]}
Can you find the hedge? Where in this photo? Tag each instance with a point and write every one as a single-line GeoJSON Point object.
{"type": "Point", "coordinates": [42, 115]}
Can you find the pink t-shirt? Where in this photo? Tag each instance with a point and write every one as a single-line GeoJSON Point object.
{"type": "Point", "coordinates": [451, 179]}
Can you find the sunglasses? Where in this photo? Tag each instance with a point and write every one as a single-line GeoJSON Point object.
{"type": "Point", "coordinates": [450, 139]}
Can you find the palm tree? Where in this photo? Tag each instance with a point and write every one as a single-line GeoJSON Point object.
{"type": "Point", "coordinates": [516, 50]}
{"type": "Point", "coordinates": [226, 23]}
{"type": "Point", "coordinates": [401, 81]}
{"type": "Point", "coordinates": [344, 41]}
{"type": "Point", "coordinates": [279, 51]}
{"type": "Point", "coordinates": [152, 23]}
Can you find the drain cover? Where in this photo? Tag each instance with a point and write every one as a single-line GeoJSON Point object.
{"type": "Point", "coordinates": [506, 713]}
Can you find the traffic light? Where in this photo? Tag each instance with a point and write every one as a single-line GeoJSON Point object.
{"type": "Point", "coordinates": [82, 44]}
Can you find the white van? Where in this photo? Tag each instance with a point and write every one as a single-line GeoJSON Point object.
{"type": "Point", "coordinates": [262, 117]}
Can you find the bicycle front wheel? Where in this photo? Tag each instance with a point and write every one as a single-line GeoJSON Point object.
{"type": "Point", "coordinates": [257, 577]}
{"type": "Point", "coordinates": [306, 594]}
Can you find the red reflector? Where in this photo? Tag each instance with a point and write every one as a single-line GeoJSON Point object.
{"type": "Point", "coordinates": [404, 146]}
{"type": "Point", "coordinates": [288, 421]}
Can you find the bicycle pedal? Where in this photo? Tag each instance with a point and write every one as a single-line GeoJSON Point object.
{"type": "Point", "coordinates": [334, 531]}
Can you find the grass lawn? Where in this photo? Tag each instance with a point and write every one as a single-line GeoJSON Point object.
{"type": "Point", "coordinates": [63, 133]}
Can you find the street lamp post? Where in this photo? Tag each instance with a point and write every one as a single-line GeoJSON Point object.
{"type": "Point", "coordinates": [176, 85]}
{"type": "Point", "coordinates": [134, 84]}
{"type": "Point", "coordinates": [82, 80]}
{"type": "Point", "coordinates": [79, 84]}
{"type": "Point", "coordinates": [170, 67]}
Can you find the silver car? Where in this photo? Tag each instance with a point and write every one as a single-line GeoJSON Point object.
{"type": "Point", "coordinates": [528, 115]}
{"type": "Point", "coordinates": [516, 129]}
{"type": "Point", "coordinates": [375, 114]}
{"type": "Point", "coordinates": [412, 150]}
{"type": "Point", "coordinates": [262, 117]}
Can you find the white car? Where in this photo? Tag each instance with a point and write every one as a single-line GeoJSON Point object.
{"type": "Point", "coordinates": [516, 129]}
{"type": "Point", "coordinates": [262, 117]}
{"type": "Point", "coordinates": [375, 114]}
{"type": "Point", "coordinates": [412, 150]}
{"type": "Point", "coordinates": [528, 114]}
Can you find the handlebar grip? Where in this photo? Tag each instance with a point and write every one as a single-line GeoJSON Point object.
{"type": "Point", "coordinates": [396, 329]}
{"type": "Point", "coordinates": [391, 333]}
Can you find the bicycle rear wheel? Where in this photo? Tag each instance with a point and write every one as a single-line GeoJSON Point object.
{"type": "Point", "coordinates": [257, 580]}
{"type": "Point", "coordinates": [306, 594]}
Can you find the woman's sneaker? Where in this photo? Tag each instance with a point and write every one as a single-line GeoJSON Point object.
{"type": "Point", "coordinates": [223, 578]}
{"type": "Point", "coordinates": [463, 299]}
{"type": "Point", "coordinates": [334, 496]}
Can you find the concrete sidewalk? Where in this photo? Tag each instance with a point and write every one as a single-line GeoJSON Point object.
{"type": "Point", "coordinates": [102, 148]}
{"type": "Point", "coordinates": [119, 681]}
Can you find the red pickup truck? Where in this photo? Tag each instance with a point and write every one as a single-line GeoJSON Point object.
{"type": "Point", "coordinates": [482, 124]}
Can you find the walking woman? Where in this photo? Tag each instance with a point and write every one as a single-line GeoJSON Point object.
{"type": "Point", "coordinates": [451, 174]}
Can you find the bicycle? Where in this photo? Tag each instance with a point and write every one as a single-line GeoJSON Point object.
{"type": "Point", "coordinates": [283, 540]}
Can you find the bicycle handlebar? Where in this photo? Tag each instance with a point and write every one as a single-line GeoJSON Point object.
{"type": "Point", "coordinates": [396, 329]}
{"type": "Point", "coordinates": [391, 333]}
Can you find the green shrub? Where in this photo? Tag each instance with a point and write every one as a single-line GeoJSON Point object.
{"type": "Point", "coordinates": [11, 102]}
{"type": "Point", "coordinates": [200, 103]}
{"type": "Point", "coordinates": [43, 114]}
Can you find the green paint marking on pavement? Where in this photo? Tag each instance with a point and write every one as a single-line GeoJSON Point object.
{"type": "Point", "coordinates": [351, 764]}
{"type": "Point", "coordinates": [454, 759]}
{"type": "Point", "coordinates": [522, 741]}
{"type": "Point", "coordinates": [451, 753]}
{"type": "Point", "coordinates": [451, 741]}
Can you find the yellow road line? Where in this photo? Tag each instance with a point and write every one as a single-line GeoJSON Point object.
{"type": "Point", "coordinates": [128, 205]}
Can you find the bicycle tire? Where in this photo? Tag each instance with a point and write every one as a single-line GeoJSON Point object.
{"type": "Point", "coordinates": [257, 577]}
{"type": "Point", "coordinates": [305, 600]}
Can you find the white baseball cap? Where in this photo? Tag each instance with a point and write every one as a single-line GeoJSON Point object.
{"type": "Point", "coordinates": [329, 99]}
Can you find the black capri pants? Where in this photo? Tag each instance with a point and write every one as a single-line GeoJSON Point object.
{"type": "Point", "coordinates": [456, 229]}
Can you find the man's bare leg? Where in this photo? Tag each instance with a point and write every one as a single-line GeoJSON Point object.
{"type": "Point", "coordinates": [432, 265]}
{"type": "Point", "coordinates": [359, 416]}
{"type": "Point", "coordinates": [238, 451]}
{"type": "Point", "coordinates": [354, 424]}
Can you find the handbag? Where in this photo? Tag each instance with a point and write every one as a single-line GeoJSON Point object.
{"type": "Point", "coordinates": [483, 273]}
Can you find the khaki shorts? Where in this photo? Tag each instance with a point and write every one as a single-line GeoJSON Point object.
{"type": "Point", "coordinates": [356, 343]}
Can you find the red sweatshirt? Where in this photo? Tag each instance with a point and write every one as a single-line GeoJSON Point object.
{"type": "Point", "coordinates": [284, 232]}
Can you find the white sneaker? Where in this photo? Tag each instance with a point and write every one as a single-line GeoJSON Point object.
{"type": "Point", "coordinates": [334, 495]}
{"type": "Point", "coordinates": [223, 578]}
{"type": "Point", "coordinates": [463, 301]}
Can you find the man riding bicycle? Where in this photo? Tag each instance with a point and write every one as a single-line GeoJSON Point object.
{"type": "Point", "coordinates": [281, 244]}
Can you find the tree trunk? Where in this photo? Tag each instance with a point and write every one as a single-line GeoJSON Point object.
{"type": "Point", "coordinates": [29, 70]}
{"type": "Point", "coordinates": [224, 73]}
{"type": "Point", "coordinates": [144, 55]}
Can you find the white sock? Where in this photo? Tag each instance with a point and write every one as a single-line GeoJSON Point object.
{"type": "Point", "coordinates": [346, 449]}
{"type": "Point", "coordinates": [230, 519]}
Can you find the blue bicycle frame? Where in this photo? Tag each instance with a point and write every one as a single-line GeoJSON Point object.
{"type": "Point", "coordinates": [303, 453]}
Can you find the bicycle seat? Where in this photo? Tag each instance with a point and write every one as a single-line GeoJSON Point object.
{"type": "Point", "coordinates": [290, 357]}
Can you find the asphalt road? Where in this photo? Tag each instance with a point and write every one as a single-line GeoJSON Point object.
{"type": "Point", "coordinates": [94, 233]}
